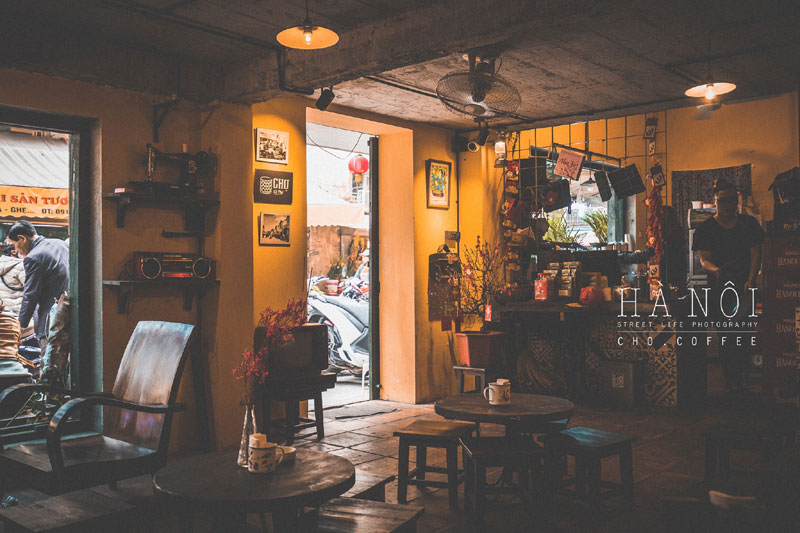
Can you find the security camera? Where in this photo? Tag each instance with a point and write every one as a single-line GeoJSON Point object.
{"type": "Point", "coordinates": [473, 146]}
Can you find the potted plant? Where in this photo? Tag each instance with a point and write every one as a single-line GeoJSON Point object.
{"type": "Point", "coordinates": [334, 274]}
{"type": "Point", "coordinates": [560, 232]}
{"type": "Point", "coordinates": [481, 280]}
{"type": "Point", "coordinates": [598, 222]}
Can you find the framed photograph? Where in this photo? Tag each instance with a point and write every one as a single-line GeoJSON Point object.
{"type": "Point", "coordinates": [272, 146]}
{"type": "Point", "coordinates": [273, 229]}
{"type": "Point", "coordinates": [438, 179]}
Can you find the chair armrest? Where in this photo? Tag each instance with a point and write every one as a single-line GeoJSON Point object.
{"type": "Point", "coordinates": [58, 422]}
{"type": "Point", "coordinates": [31, 388]}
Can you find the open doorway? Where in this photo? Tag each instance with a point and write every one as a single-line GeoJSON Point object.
{"type": "Point", "coordinates": [338, 261]}
{"type": "Point", "coordinates": [35, 166]}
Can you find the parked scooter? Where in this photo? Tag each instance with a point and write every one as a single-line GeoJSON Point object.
{"type": "Point", "coordinates": [347, 318]}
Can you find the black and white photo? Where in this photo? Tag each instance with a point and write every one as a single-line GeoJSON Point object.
{"type": "Point", "coordinates": [272, 146]}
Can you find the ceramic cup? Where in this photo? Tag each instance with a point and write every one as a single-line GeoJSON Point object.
{"type": "Point", "coordinates": [498, 392]}
{"type": "Point", "coordinates": [264, 456]}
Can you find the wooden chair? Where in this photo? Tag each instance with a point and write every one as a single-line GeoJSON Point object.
{"type": "Point", "coordinates": [138, 416]}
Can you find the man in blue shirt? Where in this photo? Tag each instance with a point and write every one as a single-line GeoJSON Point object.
{"type": "Point", "coordinates": [46, 263]}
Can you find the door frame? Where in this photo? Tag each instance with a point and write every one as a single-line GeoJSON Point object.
{"type": "Point", "coordinates": [374, 269]}
{"type": "Point", "coordinates": [85, 238]}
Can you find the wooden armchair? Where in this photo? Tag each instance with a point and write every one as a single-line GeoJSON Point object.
{"type": "Point", "coordinates": [137, 419]}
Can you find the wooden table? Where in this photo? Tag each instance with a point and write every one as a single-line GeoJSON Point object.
{"type": "Point", "coordinates": [213, 482]}
{"type": "Point", "coordinates": [525, 409]}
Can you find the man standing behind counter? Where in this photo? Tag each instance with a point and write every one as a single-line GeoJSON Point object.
{"type": "Point", "coordinates": [729, 246]}
{"type": "Point", "coordinates": [46, 263]}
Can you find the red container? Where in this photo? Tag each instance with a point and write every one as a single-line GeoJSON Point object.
{"type": "Point", "coordinates": [480, 350]}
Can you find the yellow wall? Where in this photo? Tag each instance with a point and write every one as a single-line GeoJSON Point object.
{"type": "Point", "coordinates": [126, 127]}
{"type": "Point", "coordinates": [761, 132]}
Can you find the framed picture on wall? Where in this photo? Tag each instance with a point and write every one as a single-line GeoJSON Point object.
{"type": "Point", "coordinates": [273, 229]}
{"type": "Point", "coordinates": [272, 146]}
{"type": "Point", "coordinates": [437, 174]}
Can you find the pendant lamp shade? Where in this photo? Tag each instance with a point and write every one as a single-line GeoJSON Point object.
{"type": "Point", "coordinates": [710, 90]}
{"type": "Point", "coordinates": [307, 36]}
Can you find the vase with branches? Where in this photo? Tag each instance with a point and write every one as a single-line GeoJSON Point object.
{"type": "Point", "coordinates": [481, 276]}
{"type": "Point", "coordinates": [253, 370]}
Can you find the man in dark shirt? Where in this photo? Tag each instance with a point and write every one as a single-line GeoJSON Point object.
{"type": "Point", "coordinates": [46, 263]}
{"type": "Point", "coordinates": [729, 246]}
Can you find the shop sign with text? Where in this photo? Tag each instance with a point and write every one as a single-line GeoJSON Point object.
{"type": "Point", "coordinates": [34, 203]}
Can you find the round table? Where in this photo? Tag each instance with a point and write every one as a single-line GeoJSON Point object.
{"type": "Point", "coordinates": [214, 482]}
{"type": "Point", "coordinates": [526, 409]}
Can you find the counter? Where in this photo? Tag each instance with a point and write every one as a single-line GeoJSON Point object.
{"type": "Point", "coordinates": [559, 348]}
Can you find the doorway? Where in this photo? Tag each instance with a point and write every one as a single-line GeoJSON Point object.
{"type": "Point", "coordinates": [35, 188]}
{"type": "Point", "coordinates": [339, 197]}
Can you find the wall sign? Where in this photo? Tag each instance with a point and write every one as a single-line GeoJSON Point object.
{"type": "Point", "coordinates": [34, 203]}
{"type": "Point", "coordinates": [272, 187]}
{"type": "Point", "coordinates": [569, 164]}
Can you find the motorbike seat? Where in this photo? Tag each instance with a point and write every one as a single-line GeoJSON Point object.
{"type": "Point", "coordinates": [359, 310]}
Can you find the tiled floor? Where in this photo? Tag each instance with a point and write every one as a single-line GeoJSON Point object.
{"type": "Point", "coordinates": [668, 460]}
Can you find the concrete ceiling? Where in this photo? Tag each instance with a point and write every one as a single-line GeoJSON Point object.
{"type": "Point", "coordinates": [571, 60]}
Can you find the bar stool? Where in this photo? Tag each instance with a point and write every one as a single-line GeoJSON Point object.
{"type": "Point", "coordinates": [426, 434]}
{"type": "Point", "coordinates": [589, 446]}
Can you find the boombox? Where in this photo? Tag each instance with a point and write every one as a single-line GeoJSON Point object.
{"type": "Point", "coordinates": [155, 265]}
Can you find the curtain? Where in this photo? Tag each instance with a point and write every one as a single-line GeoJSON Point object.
{"type": "Point", "coordinates": [688, 185]}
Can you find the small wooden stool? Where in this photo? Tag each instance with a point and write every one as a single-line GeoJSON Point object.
{"type": "Point", "coordinates": [479, 373]}
{"type": "Point", "coordinates": [426, 434]}
{"type": "Point", "coordinates": [589, 446]}
{"type": "Point", "coordinates": [722, 438]}
{"type": "Point", "coordinates": [292, 390]}
{"type": "Point", "coordinates": [518, 454]}
{"type": "Point", "coordinates": [352, 514]}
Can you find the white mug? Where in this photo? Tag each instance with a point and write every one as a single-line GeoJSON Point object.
{"type": "Point", "coordinates": [499, 392]}
{"type": "Point", "coordinates": [263, 457]}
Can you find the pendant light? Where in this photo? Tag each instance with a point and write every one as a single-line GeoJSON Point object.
{"type": "Point", "coordinates": [710, 89]}
{"type": "Point", "coordinates": [307, 36]}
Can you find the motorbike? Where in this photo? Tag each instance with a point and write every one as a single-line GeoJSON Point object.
{"type": "Point", "coordinates": [347, 318]}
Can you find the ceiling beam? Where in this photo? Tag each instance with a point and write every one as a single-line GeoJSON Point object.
{"type": "Point", "coordinates": [407, 38]}
{"type": "Point", "coordinates": [47, 50]}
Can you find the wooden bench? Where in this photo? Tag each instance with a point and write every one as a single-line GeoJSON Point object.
{"type": "Point", "coordinates": [353, 515]}
{"type": "Point", "coordinates": [131, 504]}
{"type": "Point", "coordinates": [589, 446]}
{"type": "Point", "coordinates": [369, 487]}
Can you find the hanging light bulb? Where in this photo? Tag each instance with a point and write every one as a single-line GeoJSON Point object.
{"type": "Point", "coordinates": [307, 36]}
{"type": "Point", "coordinates": [710, 89]}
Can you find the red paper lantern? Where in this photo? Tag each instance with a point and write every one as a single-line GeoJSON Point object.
{"type": "Point", "coordinates": [358, 165]}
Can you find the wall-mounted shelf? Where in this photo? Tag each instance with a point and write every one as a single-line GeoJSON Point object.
{"type": "Point", "coordinates": [191, 288]}
{"type": "Point", "coordinates": [194, 206]}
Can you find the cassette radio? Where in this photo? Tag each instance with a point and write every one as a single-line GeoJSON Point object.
{"type": "Point", "coordinates": [156, 265]}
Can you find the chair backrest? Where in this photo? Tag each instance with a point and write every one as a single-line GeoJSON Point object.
{"type": "Point", "coordinates": [149, 374]}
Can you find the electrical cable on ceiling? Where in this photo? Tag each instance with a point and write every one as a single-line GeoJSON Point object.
{"type": "Point", "coordinates": [351, 152]}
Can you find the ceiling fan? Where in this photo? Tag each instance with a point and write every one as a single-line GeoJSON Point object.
{"type": "Point", "coordinates": [478, 93]}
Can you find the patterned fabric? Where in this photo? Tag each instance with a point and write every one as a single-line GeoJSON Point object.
{"type": "Point", "coordinates": [688, 185]}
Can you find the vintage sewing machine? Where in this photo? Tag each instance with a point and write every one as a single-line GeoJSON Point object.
{"type": "Point", "coordinates": [196, 172]}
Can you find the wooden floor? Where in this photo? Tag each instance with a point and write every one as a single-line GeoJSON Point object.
{"type": "Point", "coordinates": [667, 460]}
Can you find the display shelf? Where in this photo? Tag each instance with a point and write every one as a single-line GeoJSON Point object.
{"type": "Point", "coordinates": [125, 288]}
{"type": "Point", "coordinates": [194, 206]}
